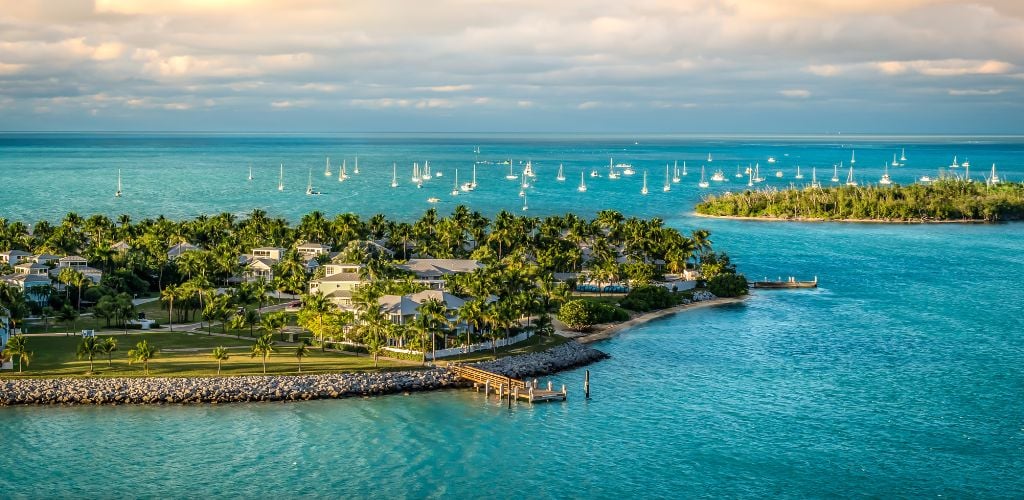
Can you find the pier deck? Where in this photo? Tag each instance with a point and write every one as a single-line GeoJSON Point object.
{"type": "Point", "coordinates": [508, 386]}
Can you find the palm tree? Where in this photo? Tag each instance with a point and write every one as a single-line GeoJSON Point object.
{"type": "Point", "coordinates": [301, 351]}
{"type": "Point", "coordinates": [317, 306]}
{"type": "Point", "coordinates": [88, 348]}
{"type": "Point", "coordinates": [252, 318]}
{"type": "Point", "coordinates": [263, 347]}
{"type": "Point", "coordinates": [434, 313]}
{"type": "Point", "coordinates": [142, 353]}
{"type": "Point", "coordinates": [168, 294]}
{"type": "Point", "coordinates": [275, 322]}
{"type": "Point", "coordinates": [69, 316]}
{"type": "Point", "coordinates": [17, 347]}
{"type": "Point", "coordinates": [108, 346]}
{"type": "Point", "coordinates": [220, 354]}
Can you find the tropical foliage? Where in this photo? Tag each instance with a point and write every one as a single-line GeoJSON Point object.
{"type": "Point", "coordinates": [948, 199]}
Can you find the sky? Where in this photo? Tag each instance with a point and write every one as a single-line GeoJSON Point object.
{"type": "Point", "coordinates": [640, 66]}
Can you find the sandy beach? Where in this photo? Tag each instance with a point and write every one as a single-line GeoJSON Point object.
{"type": "Point", "coordinates": [861, 221]}
{"type": "Point", "coordinates": [609, 330]}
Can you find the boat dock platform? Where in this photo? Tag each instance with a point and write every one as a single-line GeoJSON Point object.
{"type": "Point", "coordinates": [508, 387]}
{"type": "Point", "coordinates": [790, 282]}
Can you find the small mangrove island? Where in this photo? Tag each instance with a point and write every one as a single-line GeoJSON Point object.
{"type": "Point", "coordinates": [945, 200]}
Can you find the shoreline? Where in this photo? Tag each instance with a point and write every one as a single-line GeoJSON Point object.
{"type": "Point", "coordinates": [611, 330]}
{"type": "Point", "coordinates": [855, 221]}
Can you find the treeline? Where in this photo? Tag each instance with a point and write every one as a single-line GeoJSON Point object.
{"type": "Point", "coordinates": [948, 199]}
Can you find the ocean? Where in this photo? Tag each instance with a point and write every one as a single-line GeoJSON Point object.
{"type": "Point", "coordinates": [901, 375]}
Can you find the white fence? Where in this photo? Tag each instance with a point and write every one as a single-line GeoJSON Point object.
{"type": "Point", "coordinates": [455, 351]}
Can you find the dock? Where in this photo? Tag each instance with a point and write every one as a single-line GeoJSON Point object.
{"type": "Point", "coordinates": [790, 282]}
{"type": "Point", "coordinates": [508, 387]}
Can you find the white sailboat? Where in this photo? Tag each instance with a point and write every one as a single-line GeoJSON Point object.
{"type": "Point", "coordinates": [394, 174]}
{"type": "Point", "coordinates": [709, 158]}
{"type": "Point", "coordinates": [757, 173]}
{"type": "Point", "coordinates": [561, 174]}
{"type": "Point", "coordinates": [309, 185]}
{"type": "Point", "coordinates": [954, 164]}
{"type": "Point", "coordinates": [750, 177]}
{"type": "Point", "coordinates": [455, 187]}
{"type": "Point", "coordinates": [895, 163]}
{"type": "Point", "coordinates": [675, 172]}
{"type": "Point", "coordinates": [356, 170]}
{"type": "Point", "coordinates": [667, 187]}
{"type": "Point", "coordinates": [684, 169]}
{"type": "Point", "coordinates": [849, 178]}
{"type": "Point", "coordinates": [425, 174]}
{"type": "Point", "coordinates": [250, 171]}
{"type": "Point", "coordinates": [611, 170]}
{"type": "Point", "coordinates": [993, 178]}
{"type": "Point", "coordinates": [814, 177]}
{"type": "Point", "coordinates": [511, 176]}
{"type": "Point", "coordinates": [342, 174]}
{"type": "Point", "coordinates": [885, 180]}
{"type": "Point", "coordinates": [583, 185]}
{"type": "Point", "coordinates": [739, 175]}
{"type": "Point", "coordinates": [469, 186]}
{"type": "Point", "coordinates": [903, 154]}
{"type": "Point", "coordinates": [643, 190]}
{"type": "Point", "coordinates": [703, 183]}
{"type": "Point", "coordinates": [117, 194]}
{"type": "Point", "coordinates": [835, 173]}
{"type": "Point", "coordinates": [280, 179]}
{"type": "Point", "coordinates": [853, 157]}
{"type": "Point", "coordinates": [966, 163]}
{"type": "Point", "coordinates": [525, 206]}
{"type": "Point", "coordinates": [718, 176]}
{"type": "Point", "coordinates": [327, 169]}
{"type": "Point", "coordinates": [528, 170]}
{"type": "Point", "coordinates": [771, 159]}
{"type": "Point", "coordinates": [798, 174]}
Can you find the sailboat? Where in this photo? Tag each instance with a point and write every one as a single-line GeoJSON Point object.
{"type": "Point", "coordinates": [853, 157]}
{"type": "Point", "coordinates": [771, 159]}
{"type": "Point", "coordinates": [356, 170]}
{"type": "Point", "coordinates": [643, 190]}
{"type": "Point", "coordinates": [528, 171]}
{"type": "Point", "coordinates": [455, 187]}
{"type": "Point", "coordinates": [894, 162]}
{"type": "Point", "coordinates": [954, 164]}
{"type": "Point", "coordinates": [993, 178]}
{"type": "Point", "coordinates": [250, 171]}
{"type": "Point", "coordinates": [425, 173]}
{"type": "Point", "coordinates": [709, 158]}
{"type": "Point", "coordinates": [798, 174]}
{"type": "Point", "coordinates": [611, 170]}
{"type": "Point", "coordinates": [523, 185]}
{"type": "Point", "coordinates": [885, 180]}
{"type": "Point", "coordinates": [117, 194]}
{"type": "Point", "coordinates": [675, 172]}
{"type": "Point", "coordinates": [468, 186]}
{"type": "Point", "coordinates": [280, 179]}
{"type": "Point", "coordinates": [594, 173]}
{"type": "Point", "coordinates": [718, 176]}
{"type": "Point", "coordinates": [903, 154]}
{"type": "Point", "coordinates": [750, 177]}
{"type": "Point", "coordinates": [703, 180]}
{"type": "Point", "coordinates": [738, 175]}
{"type": "Point", "coordinates": [511, 176]}
{"type": "Point", "coordinates": [327, 169]}
{"type": "Point", "coordinates": [627, 169]}
{"type": "Point", "coordinates": [583, 184]}
{"type": "Point", "coordinates": [757, 173]}
{"type": "Point", "coordinates": [525, 207]}
{"type": "Point", "coordinates": [849, 178]}
{"type": "Point", "coordinates": [684, 169]}
{"type": "Point", "coordinates": [309, 185]}
{"type": "Point", "coordinates": [561, 174]}
{"type": "Point", "coordinates": [835, 173]}
{"type": "Point", "coordinates": [342, 174]}
{"type": "Point", "coordinates": [814, 177]}
{"type": "Point", "coordinates": [966, 163]}
{"type": "Point", "coordinates": [394, 174]}
{"type": "Point", "coordinates": [667, 187]}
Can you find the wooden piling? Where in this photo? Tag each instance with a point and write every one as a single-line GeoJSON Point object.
{"type": "Point", "coordinates": [487, 388]}
{"type": "Point", "coordinates": [586, 384]}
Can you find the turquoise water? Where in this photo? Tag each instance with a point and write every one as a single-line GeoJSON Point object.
{"type": "Point", "coordinates": [903, 375]}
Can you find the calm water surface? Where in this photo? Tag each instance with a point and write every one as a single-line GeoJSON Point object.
{"type": "Point", "coordinates": [903, 375]}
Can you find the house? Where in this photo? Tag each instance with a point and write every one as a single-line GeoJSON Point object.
{"type": "Point", "coordinates": [45, 258]}
{"type": "Point", "coordinates": [72, 261]}
{"type": "Point", "coordinates": [403, 309]}
{"type": "Point", "coordinates": [338, 287]}
{"type": "Point", "coordinates": [32, 268]}
{"type": "Point", "coordinates": [341, 267]}
{"type": "Point", "coordinates": [79, 264]}
{"type": "Point", "coordinates": [34, 286]}
{"type": "Point", "coordinates": [260, 268]}
{"type": "Point", "coordinates": [120, 246]}
{"type": "Point", "coordinates": [13, 257]}
{"type": "Point", "coordinates": [175, 251]}
{"type": "Point", "coordinates": [432, 272]}
{"type": "Point", "coordinates": [272, 253]}
{"type": "Point", "coordinates": [310, 250]}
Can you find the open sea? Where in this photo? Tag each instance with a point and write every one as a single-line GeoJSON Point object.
{"type": "Point", "coordinates": [901, 376]}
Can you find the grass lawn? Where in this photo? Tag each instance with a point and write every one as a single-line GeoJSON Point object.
{"type": "Point", "coordinates": [535, 343]}
{"type": "Point", "coordinates": [185, 355]}
{"type": "Point", "coordinates": [152, 309]}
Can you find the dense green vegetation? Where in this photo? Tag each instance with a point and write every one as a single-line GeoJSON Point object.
{"type": "Point", "coordinates": [649, 298]}
{"type": "Point", "coordinates": [581, 314]}
{"type": "Point", "coordinates": [728, 285]}
{"type": "Point", "coordinates": [948, 199]}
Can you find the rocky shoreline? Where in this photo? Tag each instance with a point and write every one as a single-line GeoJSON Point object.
{"type": "Point", "coordinates": [186, 390]}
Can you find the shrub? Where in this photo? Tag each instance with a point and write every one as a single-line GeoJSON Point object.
{"type": "Point", "coordinates": [647, 298]}
{"type": "Point", "coordinates": [575, 315]}
{"type": "Point", "coordinates": [728, 285]}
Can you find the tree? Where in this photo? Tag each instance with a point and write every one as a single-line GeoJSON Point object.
{"type": "Point", "coordinates": [575, 315]}
{"type": "Point", "coordinates": [238, 323]}
{"type": "Point", "coordinates": [314, 308]}
{"type": "Point", "coordinates": [169, 294]}
{"type": "Point", "coordinates": [301, 351]}
{"type": "Point", "coordinates": [728, 285]}
{"type": "Point", "coordinates": [88, 348]}
{"type": "Point", "coordinates": [46, 313]}
{"type": "Point", "coordinates": [108, 347]}
{"type": "Point", "coordinates": [142, 353]}
{"type": "Point", "coordinates": [275, 322]}
{"type": "Point", "coordinates": [220, 354]}
{"type": "Point", "coordinates": [252, 318]}
{"type": "Point", "coordinates": [263, 347]}
{"type": "Point", "coordinates": [17, 348]}
{"type": "Point", "coordinates": [69, 316]}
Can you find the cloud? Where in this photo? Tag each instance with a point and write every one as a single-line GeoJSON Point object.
{"type": "Point", "coordinates": [946, 67]}
{"type": "Point", "coordinates": [824, 69]}
{"type": "Point", "coordinates": [10, 69]}
{"type": "Point", "coordinates": [796, 93]}
{"type": "Point", "coordinates": [959, 92]}
{"type": "Point", "coordinates": [284, 104]}
{"type": "Point", "coordinates": [451, 88]}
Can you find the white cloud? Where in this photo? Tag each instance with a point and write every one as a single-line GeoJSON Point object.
{"type": "Point", "coordinates": [946, 67]}
{"type": "Point", "coordinates": [796, 93]}
{"type": "Point", "coordinates": [451, 88]}
{"type": "Point", "coordinates": [959, 92]}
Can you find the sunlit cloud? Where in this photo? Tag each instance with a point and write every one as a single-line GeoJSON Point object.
{"type": "Point", "coordinates": [796, 93]}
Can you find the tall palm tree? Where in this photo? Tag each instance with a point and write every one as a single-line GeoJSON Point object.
{"type": "Point", "coordinates": [168, 294]}
{"type": "Point", "coordinates": [142, 353]}
{"type": "Point", "coordinates": [69, 316]}
{"type": "Point", "coordinates": [301, 351]}
{"type": "Point", "coordinates": [17, 347]}
{"type": "Point", "coordinates": [108, 346]}
{"type": "Point", "coordinates": [434, 313]}
{"type": "Point", "coordinates": [220, 353]}
{"type": "Point", "coordinates": [263, 347]}
{"type": "Point", "coordinates": [88, 348]}
{"type": "Point", "coordinates": [317, 305]}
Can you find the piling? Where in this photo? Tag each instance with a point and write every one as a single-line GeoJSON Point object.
{"type": "Point", "coordinates": [586, 384]}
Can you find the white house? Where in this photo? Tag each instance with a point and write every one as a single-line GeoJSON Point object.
{"type": "Point", "coordinates": [432, 272]}
{"type": "Point", "coordinates": [311, 250]}
{"type": "Point", "coordinates": [403, 309]}
{"type": "Point", "coordinates": [13, 256]}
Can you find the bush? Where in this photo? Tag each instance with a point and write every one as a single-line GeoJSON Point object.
{"type": "Point", "coordinates": [728, 285]}
{"type": "Point", "coordinates": [648, 298]}
{"type": "Point", "coordinates": [575, 315]}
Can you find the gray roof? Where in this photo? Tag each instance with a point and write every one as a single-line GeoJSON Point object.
{"type": "Point", "coordinates": [406, 305]}
{"type": "Point", "coordinates": [341, 277]}
{"type": "Point", "coordinates": [434, 267]}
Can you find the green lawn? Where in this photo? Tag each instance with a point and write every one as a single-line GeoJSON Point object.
{"type": "Point", "coordinates": [535, 343]}
{"type": "Point", "coordinates": [153, 311]}
{"type": "Point", "coordinates": [183, 355]}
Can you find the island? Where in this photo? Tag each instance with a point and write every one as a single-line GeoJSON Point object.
{"type": "Point", "coordinates": [948, 199]}
{"type": "Point", "coordinates": [221, 308]}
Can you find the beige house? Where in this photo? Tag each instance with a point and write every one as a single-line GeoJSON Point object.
{"type": "Point", "coordinates": [310, 250]}
{"type": "Point", "coordinates": [403, 309]}
{"type": "Point", "coordinates": [272, 253]}
{"type": "Point", "coordinates": [13, 256]}
{"type": "Point", "coordinates": [432, 272]}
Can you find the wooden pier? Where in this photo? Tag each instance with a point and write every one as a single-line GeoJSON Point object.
{"type": "Point", "coordinates": [508, 387]}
